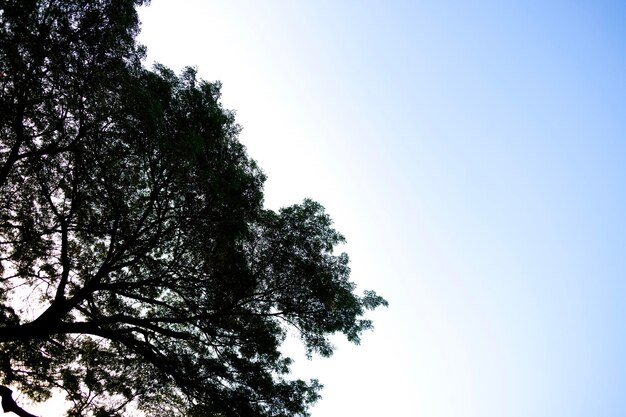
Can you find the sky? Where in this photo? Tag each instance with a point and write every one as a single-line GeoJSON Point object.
{"type": "Point", "coordinates": [473, 154]}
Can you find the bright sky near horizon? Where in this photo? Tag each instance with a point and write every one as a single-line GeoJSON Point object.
{"type": "Point", "coordinates": [474, 155]}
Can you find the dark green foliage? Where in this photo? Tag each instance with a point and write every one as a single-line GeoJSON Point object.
{"type": "Point", "coordinates": [138, 263]}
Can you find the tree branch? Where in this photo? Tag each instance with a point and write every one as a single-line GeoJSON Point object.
{"type": "Point", "coordinates": [65, 262]}
{"type": "Point", "coordinates": [9, 405]}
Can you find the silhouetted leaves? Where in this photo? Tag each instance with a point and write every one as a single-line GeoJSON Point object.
{"type": "Point", "coordinates": [139, 265]}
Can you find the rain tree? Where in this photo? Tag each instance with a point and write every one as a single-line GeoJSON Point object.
{"type": "Point", "coordinates": [139, 267]}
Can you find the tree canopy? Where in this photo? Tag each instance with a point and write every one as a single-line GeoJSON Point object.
{"type": "Point", "coordinates": [138, 264]}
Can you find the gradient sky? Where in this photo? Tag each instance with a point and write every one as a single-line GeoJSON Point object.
{"type": "Point", "coordinates": [473, 153]}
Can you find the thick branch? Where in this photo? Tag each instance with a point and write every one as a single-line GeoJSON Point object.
{"type": "Point", "coordinates": [95, 328]}
{"type": "Point", "coordinates": [9, 405]}
{"type": "Point", "coordinates": [65, 262]}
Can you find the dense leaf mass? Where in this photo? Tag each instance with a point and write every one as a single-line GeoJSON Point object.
{"type": "Point", "coordinates": [139, 266]}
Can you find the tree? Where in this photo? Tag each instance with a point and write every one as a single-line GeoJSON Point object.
{"type": "Point", "coordinates": [138, 263]}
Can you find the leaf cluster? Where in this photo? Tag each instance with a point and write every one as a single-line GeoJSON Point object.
{"type": "Point", "coordinates": [139, 266]}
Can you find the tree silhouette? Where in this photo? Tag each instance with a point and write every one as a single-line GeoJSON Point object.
{"type": "Point", "coordinates": [138, 264]}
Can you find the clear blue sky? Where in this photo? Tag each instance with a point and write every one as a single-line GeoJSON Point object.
{"type": "Point", "coordinates": [474, 154]}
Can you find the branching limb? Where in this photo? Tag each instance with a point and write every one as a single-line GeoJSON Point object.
{"type": "Point", "coordinates": [9, 405]}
